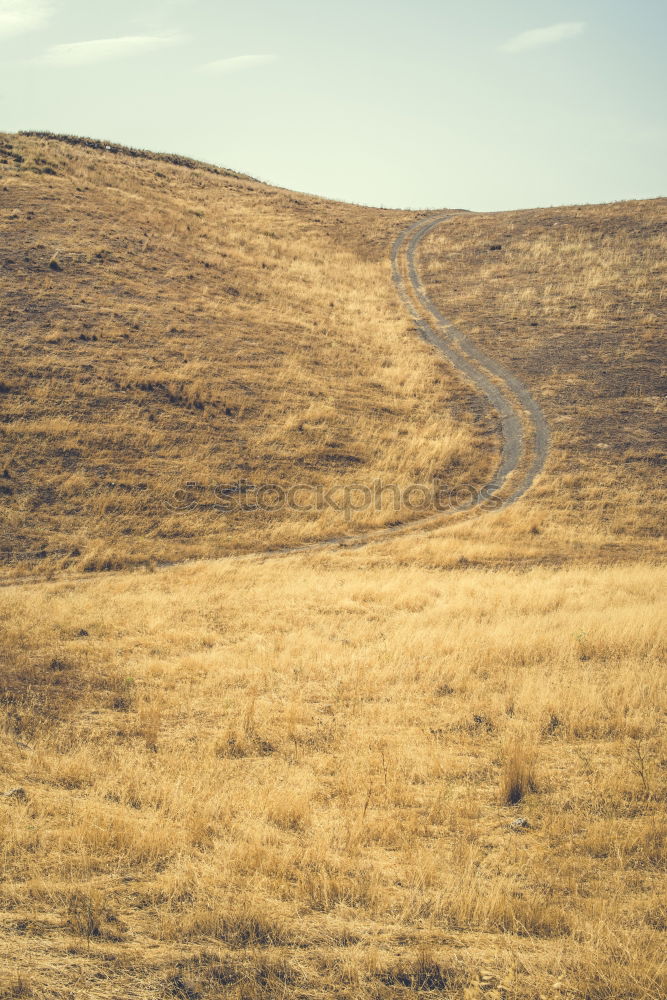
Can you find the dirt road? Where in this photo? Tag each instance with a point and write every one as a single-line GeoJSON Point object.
{"type": "Point", "coordinates": [524, 429]}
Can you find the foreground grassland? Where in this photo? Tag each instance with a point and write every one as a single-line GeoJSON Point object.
{"type": "Point", "coordinates": [310, 778]}
{"type": "Point", "coordinates": [167, 324]}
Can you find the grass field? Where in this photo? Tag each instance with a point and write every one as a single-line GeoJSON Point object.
{"type": "Point", "coordinates": [435, 765]}
{"type": "Point", "coordinates": [309, 777]}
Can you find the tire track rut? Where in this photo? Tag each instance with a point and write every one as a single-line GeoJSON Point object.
{"type": "Point", "coordinates": [524, 429]}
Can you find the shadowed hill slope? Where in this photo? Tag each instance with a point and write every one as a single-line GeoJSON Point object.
{"type": "Point", "coordinates": [171, 323]}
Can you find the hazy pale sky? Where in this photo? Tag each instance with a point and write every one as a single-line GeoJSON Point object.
{"type": "Point", "coordinates": [481, 104]}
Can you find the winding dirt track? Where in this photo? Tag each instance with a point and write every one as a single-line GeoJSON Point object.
{"type": "Point", "coordinates": [524, 430]}
{"type": "Point", "coordinates": [523, 427]}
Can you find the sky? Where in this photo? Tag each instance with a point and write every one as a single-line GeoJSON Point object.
{"type": "Point", "coordinates": [479, 104]}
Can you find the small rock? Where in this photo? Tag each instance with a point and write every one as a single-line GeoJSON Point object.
{"type": "Point", "coordinates": [18, 794]}
{"type": "Point", "coordinates": [520, 823]}
{"type": "Point", "coordinates": [496, 246]}
{"type": "Point", "coordinates": [82, 631]}
{"type": "Point", "coordinates": [54, 265]}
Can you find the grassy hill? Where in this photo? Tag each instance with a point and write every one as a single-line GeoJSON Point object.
{"type": "Point", "coordinates": [169, 324]}
{"type": "Point", "coordinates": [572, 300]}
{"type": "Point", "coordinates": [433, 765]}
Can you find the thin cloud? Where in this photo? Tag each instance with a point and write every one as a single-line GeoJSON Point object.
{"type": "Point", "coordinates": [236, 64]}
{"type": "Point", "coordinates": [104, 49]}
{"type": "Point", "coordinates": [544, 36]}
{"type": "Point", "coordinates": [17, 16]}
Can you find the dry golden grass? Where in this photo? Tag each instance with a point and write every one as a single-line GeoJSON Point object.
{"type": "Point", "coordinates": [302, 778]}
{"type": "Point", "coordinates": [202, 327]}
{"type": "Point", "coordinates": [572, 301]}
{"type": "Point", "coordinates": [433, 766]}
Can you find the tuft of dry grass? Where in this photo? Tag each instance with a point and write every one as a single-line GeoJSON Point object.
{"type": "Point", "coordinates": [518, 776]}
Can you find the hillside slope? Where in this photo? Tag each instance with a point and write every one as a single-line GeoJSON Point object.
{"type": "Point", "coordinates": [170, 323]}
{"type": "Point", "coordinates": [572, 301]}
{"type": "Point", "coordinates": [178, 337]}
